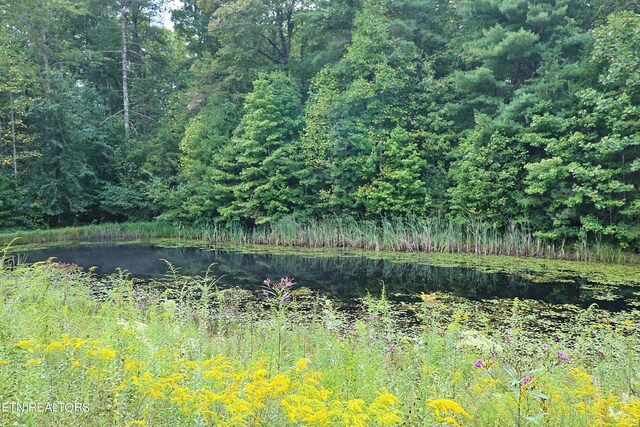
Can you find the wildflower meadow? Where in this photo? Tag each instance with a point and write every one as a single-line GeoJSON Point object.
{"type": "Point", "coordinates": [192, 355]}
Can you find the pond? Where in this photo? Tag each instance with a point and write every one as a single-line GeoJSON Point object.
{"type": "Point", "coordinates": [344, 277]}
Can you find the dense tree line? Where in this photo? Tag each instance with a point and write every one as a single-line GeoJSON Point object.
{"type": "Point", "coordinates": [249, 110]}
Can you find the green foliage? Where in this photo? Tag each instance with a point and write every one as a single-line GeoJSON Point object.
{"type": "Point", "coordinates": [191, 21]}
{"type": "Point", "coordinates": [616, 47]}
{"type": "Point", "coordinates": [498, 111]}
{"type": "Point", "coordinates": [17, 76]}
{"type": "Point", "coordinates": [587, 182]}
{"type": "Point", "coordinates": [204, 154]}
{"type": "Point", "coordinates": [361, 129]}
{"type": "Point", "coordinates": [397, 190]}
{"type": "Point", "coordinates": [488, 174]}
{"type": "Point", "coordinates": [66, 177]}
{"type": "Point", "coordinates": [265, 153]}
{"type": "Point", "coordinates": [15, 209]}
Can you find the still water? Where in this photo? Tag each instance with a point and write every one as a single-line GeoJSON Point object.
{"type": "Point", "coordinates": [341, 277]}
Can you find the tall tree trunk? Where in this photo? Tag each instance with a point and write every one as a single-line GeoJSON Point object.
{"type": "Point", "coordinates": [13, 140]}
{"type": "Point", "coordinates": [137, 68]}
{"type": "Point", "coordinates": [135, 40]}
{"type": "Point", "coordinates": [45, 60]}
{"type": "Point", "coordinates": [125, 66]}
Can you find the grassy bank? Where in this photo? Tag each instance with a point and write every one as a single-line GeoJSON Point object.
{"type": "Point", "coordinates": [420, 235]}
{"type": "Point", "coordinates": [200, 356]}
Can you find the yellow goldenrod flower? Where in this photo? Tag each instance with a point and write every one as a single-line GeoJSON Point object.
{"type": "Point", "coordinates": [120, 387]}
{"type": "Point", "coordinates": [25, 344]}
{"type": "Point", "coordinates": [53, 346]}
{"type": "Point", "coordinates": [301, 365]}
{"type": "Point", "coordinates": [630, 413]}
{"type": "Point", "coordinates": [446, 411]}
{"type": "Point", "coordinates": [431, 300]}
{"type": "Point", "coordinates": [585, 387]}
{"type": "Point", "coordinates": [95, 373]}
{"type": "Point", "coordinates": [106, 354]}
{"type": "Point", "coordinates": [279, 384]}
{"type": "Point", "coordinates": [355, 414]}
{"type": "Point", "coordinates": [383, 408]}
{"type": "Point", "coordinates": [155, 393]}
{"type": "Point", "coordinates": [159, 353]}
{"type": "Point", "coordinates": [133, 365]}
{"type": "Point", "coordinates": [78, 343]}
{"type": "Point", "coordinates": [33, 362]}
{"type": "Point", "coordinates": [259, 374]}
{"type": "Point", "coordinates": [428, 370]}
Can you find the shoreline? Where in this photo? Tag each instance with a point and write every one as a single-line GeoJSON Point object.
{"type": "Point", "coordinates": [421, 237]}
{"type": "Point", "coordinates": [539, 270]}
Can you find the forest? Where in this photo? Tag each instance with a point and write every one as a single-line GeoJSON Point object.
{"type": "Point", "coordinates": [320, 213]}
{"type": "Point", "coordinates": [249, 111]}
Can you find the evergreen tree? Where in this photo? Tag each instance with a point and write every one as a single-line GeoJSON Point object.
{"type": "Point", "coordinates": [264, 153]}
{"type": "Point", "coordinates": [488, 173]}
{"type": "Point", "coordinates": [203, 155]}
{"type": "Point", "coordinates": [363, 116]}
{"type": "Point", "coordinates": [587, 182]}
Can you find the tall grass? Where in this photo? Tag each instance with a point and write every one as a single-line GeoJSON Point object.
{"type": "Point", "coordinates": [190, 357]}
{"type": "Point", "coordinates": [433, 235]}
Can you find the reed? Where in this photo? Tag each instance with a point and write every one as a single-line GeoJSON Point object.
{"type": "Point", "coordinates": [435, 235]}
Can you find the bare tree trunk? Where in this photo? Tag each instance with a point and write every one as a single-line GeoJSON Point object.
{"type": "Point", "coordinates": [45, 60]}
{"type": "Point", "coordinates": [136, 10]}
{"type": "Point", "coordinates": [13, 140]}
{"type": "Point", "coordinates": [125, 66]}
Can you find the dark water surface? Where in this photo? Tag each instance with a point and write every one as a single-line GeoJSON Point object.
{"type": "Point", "coordinates": [340, 277]}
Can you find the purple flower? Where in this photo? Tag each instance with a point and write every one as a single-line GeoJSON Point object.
{"type": "Point", "coordinates": [440, 332]}
{"type": "Point", "coordinates": [286, 282]}
{"type": "Point", "coordinates": [372, 318]}
{"type": "Point", "coordinates": [526, 380]}
{"type": "Point", "coordinates": [285, 297]}
{"type": "Point", "coordinates": [544, 346]}
{"type": "Point", "coordinates": [392, 348]}
{"type": "Point", "coordinates": [267, 282]}
{"type": "Point", "coordinates": [351, 326]}
{"type": "Point", "coordinates": [562, 355]}
{"type": "Point", "coordinates": [478, 363]}
{"type": "Point", "coordinates": [508, 340]}
{"type": "Point", "coordinates": [265, 292]}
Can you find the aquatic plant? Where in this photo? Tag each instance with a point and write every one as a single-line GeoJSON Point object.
{"type": "Point", "coordinates": [428, 235]}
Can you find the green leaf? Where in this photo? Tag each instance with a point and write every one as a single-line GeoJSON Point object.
{"type": "Point", "coordinates": [535, 419]}
{"type": "Point", "coordinates": [511, 373]}
{"type": "Point", "coordinates": [539, 395]}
